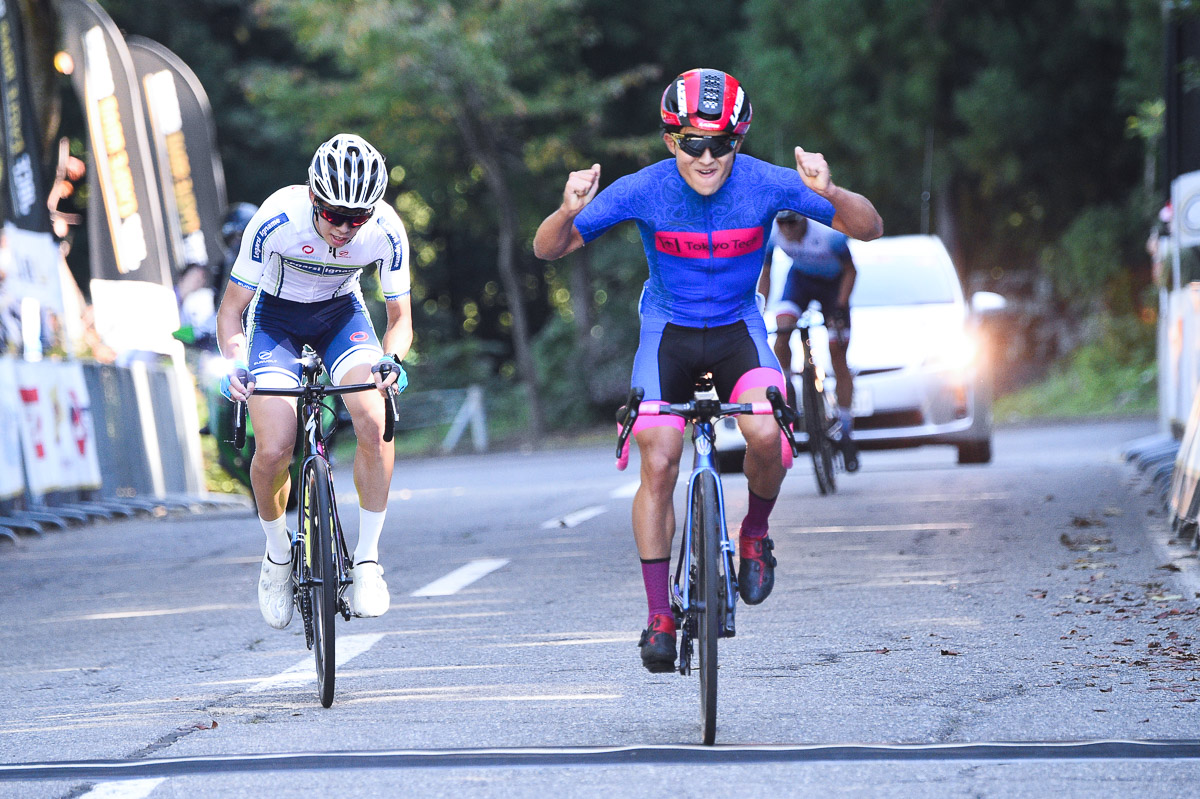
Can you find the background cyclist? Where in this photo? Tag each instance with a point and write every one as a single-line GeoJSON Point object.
{"type": "Point", "coordinates": [822, 270]}
{"type": "Point", "coordinates": [701, 214]}
{"type": "Point", "coordinates": [298, 274]}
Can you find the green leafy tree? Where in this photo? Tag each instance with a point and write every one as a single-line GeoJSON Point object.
{"type": "Point", "coordinates": [1012, 114]}
{"type": "Point", "coordinates": [465, 86]}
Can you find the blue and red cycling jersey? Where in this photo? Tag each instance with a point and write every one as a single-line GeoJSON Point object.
{"type": "Point", "coordinates": [704, 253]}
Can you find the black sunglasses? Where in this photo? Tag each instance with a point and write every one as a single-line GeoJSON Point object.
{"type": "Point", "coordinates": [337, 218]}
{"type": "Point", "coordinates": [696, 145]}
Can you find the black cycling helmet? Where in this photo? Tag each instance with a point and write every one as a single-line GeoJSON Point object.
{"type": "Point", "coordinates": [235, 221]}
{"type": "Point", "coordinates": [708, 99]}
{"type": "Point", "coordinates": [348, 172]}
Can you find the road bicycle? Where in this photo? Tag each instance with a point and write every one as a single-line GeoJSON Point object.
{"type": "Point", "coordinates": [704, 593]}
{"type": "Point", "coordinates": [320, 559]}
{"type": "Point", "coordinates": [820, 425]}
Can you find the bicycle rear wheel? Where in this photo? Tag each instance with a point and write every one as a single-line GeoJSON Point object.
{"type": "Point", "coordinates": [706, 536]}
{"type": "Point", "coordinates": [317, 518]}
{"type": "Point", "coordinates": [816, 424]}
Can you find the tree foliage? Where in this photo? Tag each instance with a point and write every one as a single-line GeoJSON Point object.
{"type": "Point", "coordinates": [1023, 132]}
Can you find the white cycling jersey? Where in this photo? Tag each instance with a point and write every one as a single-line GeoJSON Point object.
{"type": "Point", "coordinates": [283, 254]}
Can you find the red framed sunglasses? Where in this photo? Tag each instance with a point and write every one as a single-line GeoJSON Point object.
{"type": "Point", "coordinates": [337, 218]}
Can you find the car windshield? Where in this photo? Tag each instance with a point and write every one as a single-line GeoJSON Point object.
{"type": "Point", "coordinates": [896, 278]}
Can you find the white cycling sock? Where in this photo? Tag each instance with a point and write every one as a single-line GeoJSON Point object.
{"type": "Point", "coordinates": [370, 525]}
{"type": "Point", "coordinates": [279, 543]}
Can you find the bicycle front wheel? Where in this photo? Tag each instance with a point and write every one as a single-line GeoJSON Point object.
{"type": "Point", "coordinates": [706, 537]}
{"type": "Point", "coordinates": [317, 519]}
{"type": "Point", "coordinates": [816, 424]}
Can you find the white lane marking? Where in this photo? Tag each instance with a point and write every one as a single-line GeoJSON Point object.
{"type": "Point", "coordinates": [881, 528]}
{"type": "Point", "coordinates": [461, 577]}
{"type": "Point", "coordinates": [125, 789]}
{"type": "Point", "coordinates": [348, 648]}
{"type": "Point", "coordinates": [626, 491]}
{"type": "Point", "coordinates": [574, 517]}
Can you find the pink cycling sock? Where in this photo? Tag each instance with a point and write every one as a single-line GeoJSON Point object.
{"type": "Point", "coordinates": [755, 523]}
{"type": "Point", "coordinates": [656, 574]}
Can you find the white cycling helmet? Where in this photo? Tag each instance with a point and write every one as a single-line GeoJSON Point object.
{"type": "Point", "coordinates": [348, 172]}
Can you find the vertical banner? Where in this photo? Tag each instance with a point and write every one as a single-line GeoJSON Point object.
{"type": "Point", "coordinates": [31, 254]}
{"type": "Point", "coordinates": [58, 438]}
{"type": "Point", "coordinates": [12, 477]}
{"type": "Point", "coordinates": [24, 183]}
{"type": "Point", "coordinates": [184, 143]}
{"type": "Point", "coordinates": [132, 288]}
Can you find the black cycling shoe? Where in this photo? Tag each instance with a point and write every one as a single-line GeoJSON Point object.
{"type": "Point", "coordinates": [658, 645]}
{"type": "Point", "coordinates": [849, 453]}
{"type": "Point", "coordinates": [756, 571]}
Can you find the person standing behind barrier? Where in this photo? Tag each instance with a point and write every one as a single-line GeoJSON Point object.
{"type": "Point", "coordinates": [822, 270]}
{"type": "Point", "coordinates": [298, 273]}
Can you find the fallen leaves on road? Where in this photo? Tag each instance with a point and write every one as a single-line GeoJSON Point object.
{"type": "Point", "coordinates": [949, 652]}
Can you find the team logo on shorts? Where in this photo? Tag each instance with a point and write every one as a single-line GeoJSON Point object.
{"type": "Point", "coordinates": [266, 355]}
{"type": "Point", "coordinates": [357, 336]}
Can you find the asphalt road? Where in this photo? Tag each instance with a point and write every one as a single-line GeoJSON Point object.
{"type": "Point", "coordinates": [935, 630]}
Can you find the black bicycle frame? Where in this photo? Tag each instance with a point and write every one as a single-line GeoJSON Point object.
{"type": "Point", "coordinates": [703, 438]}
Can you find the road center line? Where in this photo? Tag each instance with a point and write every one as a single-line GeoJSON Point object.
{"type": "Point", "coordinates": [461, 577]}
{"type": "Point", "coordinates": [880, 528]}
{"type": "Point", "coordinates": [125, 789]}
{"type": "Point", "coordinates": [626, 491]}
{"type": "Point", "coordinates": [574, 517]}
{"type": "Point", "coordinates": [348, 647]}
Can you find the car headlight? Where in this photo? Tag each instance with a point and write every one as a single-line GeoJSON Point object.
{"type": "Point", "coordinates": [955, 353]}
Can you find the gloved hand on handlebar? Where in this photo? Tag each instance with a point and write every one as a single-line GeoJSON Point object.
{"type": "Point", "coordinates": [238, 384]}
{"type": "Point", "coordinates": [387, 366]}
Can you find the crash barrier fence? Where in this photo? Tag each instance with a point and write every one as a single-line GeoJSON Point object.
{"type": "Point", "coordinates": [95, 436]}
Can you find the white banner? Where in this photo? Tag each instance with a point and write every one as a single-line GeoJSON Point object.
{"type": "Point", "coordinates": [12, 477]}
{"type": "Point", "coordinates": [1185, 200]}
{"type": "Point", "coordinates": [33, 271]}
{"type": "Point", "coordinates": [58, 438]}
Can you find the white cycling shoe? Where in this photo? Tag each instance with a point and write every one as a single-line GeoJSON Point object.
{"type": "Point", "coordinates": [275, 593]}
{"type": "Point", "coordinates": [369, 595]}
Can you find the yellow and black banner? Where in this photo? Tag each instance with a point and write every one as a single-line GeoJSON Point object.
{"type": "Point", "coordinates": [132, 287]}
{"type": "Point", "coordinates": [184, 142]}
{"type": "Point", "coordinates": [122, 170]}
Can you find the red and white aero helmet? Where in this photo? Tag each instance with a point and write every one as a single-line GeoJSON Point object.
{"type": "Point", "coordinates": [707, 99]}
{"type": "Point", "coordinates": [348, 172]}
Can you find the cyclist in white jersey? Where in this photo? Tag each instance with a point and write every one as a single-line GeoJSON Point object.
{"type": "Point", "coordinates": [296, 281]}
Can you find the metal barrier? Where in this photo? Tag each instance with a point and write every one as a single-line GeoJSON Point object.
{"type": "Point", "coordinates": [88, 440]}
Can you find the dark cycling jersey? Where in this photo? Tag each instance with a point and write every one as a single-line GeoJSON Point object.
{"type": "Point", "coordinates": [704, 253]}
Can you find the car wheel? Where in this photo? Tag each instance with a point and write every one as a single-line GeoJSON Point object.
{"type": "Point", "coordinates": [730, 460]}
{"type": "Point", "coordinates": [975, 452]}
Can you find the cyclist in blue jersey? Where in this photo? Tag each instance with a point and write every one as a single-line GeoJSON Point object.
{"type": "Point", "coordinates": [702, 215]}
{"type": "Point", "coordinates": [298, 274]}
{"type": "Point", "coordinates": [822, 270]}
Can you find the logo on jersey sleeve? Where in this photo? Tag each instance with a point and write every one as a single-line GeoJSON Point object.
{"type": "Point", "coordinates": [260, 236]}
{"type": "Point", "coordinates": [725, 243]}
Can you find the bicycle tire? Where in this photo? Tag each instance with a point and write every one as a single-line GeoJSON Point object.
{"type": "Point", "coordinates": [816, 424]}
{"type": "Point", "coordinates": [318, 530]}
{"type": "Point", "coordinates": [706, 536]}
